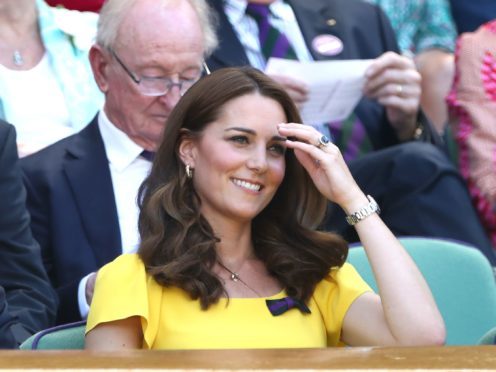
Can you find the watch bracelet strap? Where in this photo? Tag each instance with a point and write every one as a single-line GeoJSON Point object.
{"type": "Point", "coordinates": [367, 210]}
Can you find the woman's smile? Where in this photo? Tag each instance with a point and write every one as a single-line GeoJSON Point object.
{"type": "Point", "coordinates": [247, 185]}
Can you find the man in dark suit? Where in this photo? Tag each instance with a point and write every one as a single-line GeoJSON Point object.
{"type": "Point", "coordinates": [82, 190]}
{"type": "Point", "coordinates": [419, 190]}
{"type": "Point", "coordinates": [27, 301]}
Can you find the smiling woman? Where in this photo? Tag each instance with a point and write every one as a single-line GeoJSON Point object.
{"type": "Point", "coordinates": [230, 256]}
{"type": "Point", "coordinates": [243, 163]}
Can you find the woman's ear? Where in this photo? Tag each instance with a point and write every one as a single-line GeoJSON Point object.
{"type": "Point", "coordinates": [187, 150]}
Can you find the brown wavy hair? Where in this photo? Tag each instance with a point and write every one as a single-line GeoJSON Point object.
{"type": "Point", "coordinates": [177, 242]}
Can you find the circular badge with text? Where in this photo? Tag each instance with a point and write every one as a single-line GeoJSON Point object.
{"type": "Point", "coordinates": [327, 45]}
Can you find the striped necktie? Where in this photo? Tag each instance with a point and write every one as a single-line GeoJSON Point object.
{"type": "Point", "coordinates": [273, 42]}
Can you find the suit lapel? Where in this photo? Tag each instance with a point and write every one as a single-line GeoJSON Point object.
{"type": "Point", "coordinates": [230, 51]}
{"type": "Point", "coordinates": [87, 170]}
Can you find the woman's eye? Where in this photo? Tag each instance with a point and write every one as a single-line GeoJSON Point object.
{"type": "Point", "coordinates": [239, 139]}
{"type": "Point", "coordinates": [278, 149]}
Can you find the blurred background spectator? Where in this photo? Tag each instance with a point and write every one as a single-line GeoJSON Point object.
{"type": "Point", "coordinates": [426, 31]}
{"type": "Point", "coordinates": [46, 85]}
{"type": "Point", "coordinates": [27, 301]}
{"type": "Point", "coordinates": [472, 103]}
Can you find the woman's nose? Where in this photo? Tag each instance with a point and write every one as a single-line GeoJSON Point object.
{"type": "Point", "coordinates": [258, 160]}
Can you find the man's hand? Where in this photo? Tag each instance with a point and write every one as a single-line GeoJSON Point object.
{"type": "Point", "coordinates": [394, 82]}
{"type": "Point", "coordinates": [90, 287]}
{"type": "Point", "coordinates": [296, 89]}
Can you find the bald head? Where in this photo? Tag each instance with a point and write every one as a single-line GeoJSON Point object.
{"type": "Point", "coordinates": [148, 13]}
{"type": "Point", "coordinates": [152, 25]}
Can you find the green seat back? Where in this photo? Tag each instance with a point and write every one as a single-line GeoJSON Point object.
{"type": "Point", "coordinates": [461, 280]}
{"type": "Point", "coordinates": [489, 338]}
{"type": "Point", "coordinates": [65, 336]}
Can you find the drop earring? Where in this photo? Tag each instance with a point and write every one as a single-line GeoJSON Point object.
{"type": "Point", "coordinates": [189, 171]}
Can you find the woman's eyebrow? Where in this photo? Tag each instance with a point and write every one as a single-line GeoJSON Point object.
{"type": "Point", "coordinates": [241, 129]}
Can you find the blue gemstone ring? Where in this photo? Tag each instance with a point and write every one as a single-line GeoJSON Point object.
{"type": "Point", "coordinates": [323, 142]}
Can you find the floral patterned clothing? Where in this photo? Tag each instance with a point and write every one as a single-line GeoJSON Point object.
{"type": "Point", "coordinates": [420, 24]}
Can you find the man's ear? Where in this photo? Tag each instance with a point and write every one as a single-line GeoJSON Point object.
{"type": "Point", "coordinates": [188, 149]}
{"type": "Point", "coordinates": [99, 61]}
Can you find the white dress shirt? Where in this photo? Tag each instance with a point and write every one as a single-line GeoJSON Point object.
{"type": "Point", "coordinates": [128, 170]}
{"type": "Point", "coordinates": [281, 17]}
{"type": "Point", "coordinates": [47, 120]}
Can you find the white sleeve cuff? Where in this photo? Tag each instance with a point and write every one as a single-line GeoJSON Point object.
{"type": "Point", "coordinates": [84, 308]}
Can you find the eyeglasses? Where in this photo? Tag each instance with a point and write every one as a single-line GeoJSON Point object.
{"type": "Point", "coordinates": [156, 86]}
{"type": "Point", "coordinates": [205, 68]}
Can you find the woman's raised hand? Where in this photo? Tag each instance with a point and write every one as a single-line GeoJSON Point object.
{"type": "Point", "coordinates": [324, 163]}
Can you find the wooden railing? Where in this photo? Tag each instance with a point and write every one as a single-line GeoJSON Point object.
{"type": "Point", "coordinates": [435, 358]}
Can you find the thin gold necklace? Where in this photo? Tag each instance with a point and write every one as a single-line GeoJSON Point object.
{"type": "Point", "coordinates": [236, 278]}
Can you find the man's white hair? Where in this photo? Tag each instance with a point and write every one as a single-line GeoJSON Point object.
{"type": "Point", "coordinates": [113, 13]}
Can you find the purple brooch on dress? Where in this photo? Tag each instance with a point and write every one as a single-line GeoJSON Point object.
{"type": "Point", "coordinates": [281, 305]}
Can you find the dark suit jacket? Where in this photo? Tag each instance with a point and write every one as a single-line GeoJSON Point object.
{"type": "Point", "coordinates": [27, 301]}
{"type": "Point", "coordinates": [469, 15]}
{"type": "Point", "coordinates": [362, 27]}
{"type": "Point", "coordinates": [73, 211]}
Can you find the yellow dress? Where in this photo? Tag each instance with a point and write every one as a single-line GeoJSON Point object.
{"type": "Point", "coordinates": [170, 319]}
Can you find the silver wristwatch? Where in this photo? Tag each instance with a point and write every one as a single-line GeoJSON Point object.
{"type": "Point", "coordinates": [371, 208]}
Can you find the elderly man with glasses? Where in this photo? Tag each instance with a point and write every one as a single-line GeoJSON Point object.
{"type": "Point", "coordinates": [82, 190]}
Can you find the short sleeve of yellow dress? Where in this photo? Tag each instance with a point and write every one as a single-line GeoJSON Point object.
{"type": "Point", "coordinates": [172, 320]}
{"type": "Point", "coordinates": [123, 289]}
